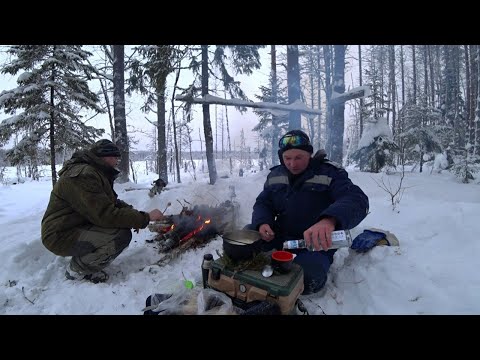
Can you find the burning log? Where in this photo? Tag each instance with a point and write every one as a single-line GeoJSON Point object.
{"type": "Point", "coordinates": [194, 227]}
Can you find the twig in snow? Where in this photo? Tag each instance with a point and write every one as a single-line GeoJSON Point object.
{"type": "Point", "coordinates": [25, 296]}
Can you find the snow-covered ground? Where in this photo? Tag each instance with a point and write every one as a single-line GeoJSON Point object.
{"type": "Point", "coordinates": [433, 271]}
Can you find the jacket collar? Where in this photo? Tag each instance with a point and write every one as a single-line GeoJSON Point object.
{"type": "Point", "coordinates": [87, 157]}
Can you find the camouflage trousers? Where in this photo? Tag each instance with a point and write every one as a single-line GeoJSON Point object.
{"type": "Point", "coordinates": [97, 247]}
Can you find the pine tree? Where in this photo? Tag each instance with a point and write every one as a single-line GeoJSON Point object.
{"type": "Point", "coordinates": [421, 136]}
{"type": "Point", "coordinates": [51, 94]}
{"type": "Point", "coordinates": [376, 148]}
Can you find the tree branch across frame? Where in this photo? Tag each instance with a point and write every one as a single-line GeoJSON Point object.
{"type": "Point", "coordinates": [268, 106]}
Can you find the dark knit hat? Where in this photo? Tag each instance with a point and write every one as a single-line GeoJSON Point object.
{"type": "Point", "coordinates": [104, 148]}
{"type": "Point", "coordinates": [294, 139]}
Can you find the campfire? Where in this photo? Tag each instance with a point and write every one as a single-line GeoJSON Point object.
{"type": "Point", "coordinates": [193, 227]}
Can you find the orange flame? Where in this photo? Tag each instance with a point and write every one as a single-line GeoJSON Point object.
{"type": "Point", "coordinates": [194, 232]}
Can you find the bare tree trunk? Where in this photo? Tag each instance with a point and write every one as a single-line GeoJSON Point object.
{"type": "Point", "coordinates": [319, 100]}
{"type": "Point", "coordinates": [400, 123]}
{"type": "Point", "coordinates": [201, 147]}
{"type": "Point", "coordinates": [361, 84]}
{"type": "Point", "coordinates": [475, 85]}
{"type": "Point", "coordinates": [439, 77]}
{"type": "Point", "coordinates": [121, 135]}
{"type": "Point", "coordinates": [477, 108]}
{"type": "Point", "coordinates": [216, 120]}
{"type": "Point", "coordinates": [327, 58]}
{"type": "Point", "coordinates": [402, 60]}
{"type": "Point", "coordinates": [191, 157]}
{"type": "Point", "coordinates": [52, 134]}
{"type": "Point", "coordinates": [207, 127]}
{"type": "Point", "coordinates": [382, 67]}
{"type": "Point", "coordinates": [311, 124]}
{"type": "Point", "coordinates": [460, 134]}
{"type": "Point", "coordinates": [174, 125]}
{"type": "Point", "coordinates": [472, 85]}
{"type": "Point", "coordinates": [468, 82]}
{"type": "Point", "coordinates": [161, 139]}
{"type": "Point", "coordinates": [109, 111]}
{"type": "Point", "coordinates": [473, 88]}
{"type": "Point", "coordinates": [223, 127]}
{"type": "Point", "coordinates": [293, 82]}
{"type": "Point", "coordinates": [373, 69]}
{"type": "Point", "coordinates": [425, 77]}
{"type": "Point", "coordinates": [103, 84]}
{"type": "Point", "coordinates": [424, 99]}
{"type": "Point", "coordinates": [335, 138]}
{"type": "Point", "coordinates": [229, 143]}
{"type": "Point", "coordinates": [393, 85]}
{"type": "Point", "coordinates": [432, 77]}
{"type": "Point", "coordinates": [276, 129]}
{"type": "Point", "coordinates": [414, 69]}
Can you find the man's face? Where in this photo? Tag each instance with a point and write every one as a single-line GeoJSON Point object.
{"type": "Point", "coordinates": [112, 161]}
{"type": "Point", "coordinates": [296, 160]}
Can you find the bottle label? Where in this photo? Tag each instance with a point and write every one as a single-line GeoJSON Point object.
{"type": "Point", "coordinates": [341, 238]}
{"type": "Point", "coordinates": [339, 235]}
{"type": "Point", "coordinates": [293, 244]}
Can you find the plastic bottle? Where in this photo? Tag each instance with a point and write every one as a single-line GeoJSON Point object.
{"type": "Point", "coordinates": [340, 238]}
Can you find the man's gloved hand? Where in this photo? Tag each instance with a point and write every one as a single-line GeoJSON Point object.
{"type": "Point", "coordinates": [368, 239]}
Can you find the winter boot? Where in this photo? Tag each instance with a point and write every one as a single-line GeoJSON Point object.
{"type": "Point", "coordinates": [99, 276]}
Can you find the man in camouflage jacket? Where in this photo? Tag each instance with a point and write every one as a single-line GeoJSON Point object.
{"type": "Point", "coordinates": [85, 219]}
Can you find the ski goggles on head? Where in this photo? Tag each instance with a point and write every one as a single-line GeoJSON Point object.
{"type": "Point", "coordinates": [292, 141]}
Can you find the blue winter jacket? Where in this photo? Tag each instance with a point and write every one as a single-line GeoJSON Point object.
{"type": "Point", "coordinates": [323, 190]}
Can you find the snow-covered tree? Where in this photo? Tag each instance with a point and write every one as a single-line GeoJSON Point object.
{"type": "Point", "coordinates": [375, 106]}
{"type": "Point", "coordinates": [272, 123]}
{"type": "Point", "coordinates": [52, 92]}
{"type": "Point", "coordinates": [376, 148]}
{"type": "Point", "coordinates": [465, 166]}
{"type": "Point", "coordinates": [422, 137]}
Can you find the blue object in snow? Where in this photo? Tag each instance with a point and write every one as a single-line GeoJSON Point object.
{"type": "Point", "coordinates": [367, 240]}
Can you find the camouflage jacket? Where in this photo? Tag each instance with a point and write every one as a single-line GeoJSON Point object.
{"type": "Point", "coordinates": [84, 195]}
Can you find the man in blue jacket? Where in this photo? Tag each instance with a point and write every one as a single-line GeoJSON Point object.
{"type": "Point", "coordinates": [307, 197]}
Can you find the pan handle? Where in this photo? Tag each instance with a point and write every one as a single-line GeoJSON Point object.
{"type": "Point", "coordinates": [236, 242]}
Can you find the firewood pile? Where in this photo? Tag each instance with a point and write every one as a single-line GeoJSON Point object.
{"type": "Point", "coordinates": [191, 228]}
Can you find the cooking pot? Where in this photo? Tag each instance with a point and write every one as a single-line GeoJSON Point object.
{"type": "Point", "coordinates": [241, 244]}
